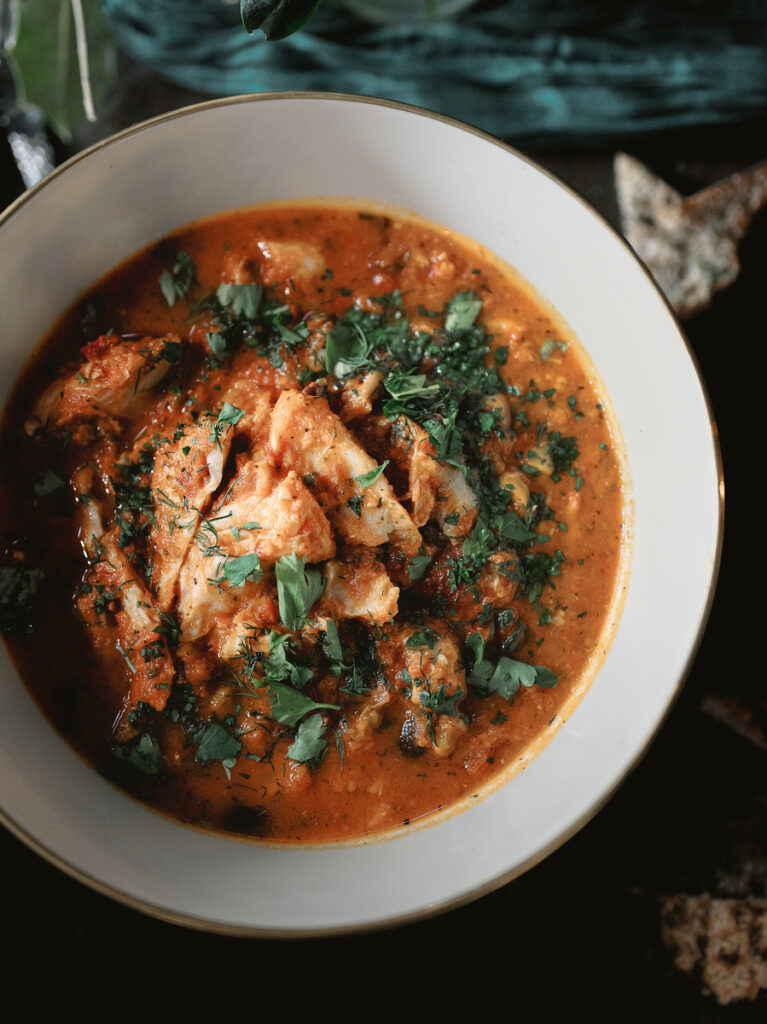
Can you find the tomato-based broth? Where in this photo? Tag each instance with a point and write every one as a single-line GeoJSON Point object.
{"type": "Point", "coordinates": [313, 522]}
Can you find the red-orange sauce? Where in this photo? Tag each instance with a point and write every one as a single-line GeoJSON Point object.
{"type": "Point", "coordinates": [382, 765]}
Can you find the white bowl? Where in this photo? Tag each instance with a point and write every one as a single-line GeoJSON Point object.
{"type": "Point", "coordinates": [122, 194]}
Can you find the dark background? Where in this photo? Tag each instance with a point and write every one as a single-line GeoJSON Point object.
{"type": "Point", "coordinates": [584, 930]}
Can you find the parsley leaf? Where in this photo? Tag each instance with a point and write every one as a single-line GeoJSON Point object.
{"type": "Point", "coordinates": [333, 644]}
{"type": "Point", "coordinates": [242, 569]}
{"type": "Point", "coordinates": [368, 479]}
{"type": "Point", "coordinates": [171, 352]}
{"type": "Point", "coordinates": [297, 589]}
{"type": "Point", "coordinates": [346, 350]}
{"type": "Point", "coordinates": [551, 345]}
{"type": "Point", "coordinates": [145, 755]}
{"type": "Point", "coordinates": [462, 311]}
{"type": "Point", "coordinates": [229, 414]}
{"type": "Point", "coordinates": [289, 706]}
{"type": "Point", "coordinates": [178, 282]}
{"type": "Point", "coordinates": [217, 744]}
{"type": "Point", "coordinates": [505, 677]}
{"type": "Point", "coordinates": [418, 566]}
{"type": "Point", "coordinates": [310, 743]}
{"type": "Point", "coordinates": [47, 483]}
{"type": "Point", "coordinates": [242, 299]}
{"type": "Point", "coordinates": [278, 667]}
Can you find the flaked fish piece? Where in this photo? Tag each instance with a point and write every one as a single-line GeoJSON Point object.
{"type": "Point", "coordinates": [436, 490]}
{"type": "Point", "coordinates": [108, 384]}
{"type": "Point", "coordinates": [272, 514]}
{"type": "Point", "coordinates": [256, 403]}
{"type": "Point", "coordinates": [282, 261]}
{"type": "Point", "coordinates": [187, 470]}
{"type": "Point", "coordinates": [115, 584]}
{"type": "Point", "coordinates": [205, 593]}
{"type": "Point", "coordinates": [308, 437]}
{"type": "Point", "coordinates": [358, 395]}
{"type": "Point", "coordinates": [358, 588]}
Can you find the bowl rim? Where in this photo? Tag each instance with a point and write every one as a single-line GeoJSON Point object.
{"type": "Point", "coordinates": [226, 928]}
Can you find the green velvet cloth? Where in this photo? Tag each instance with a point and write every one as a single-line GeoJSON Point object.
{"type": "Point", "coordinates": [522, 69]}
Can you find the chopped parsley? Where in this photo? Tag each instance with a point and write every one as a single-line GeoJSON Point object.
{"type": "Point", "coordinates": [179, 281]}
{"type": "Point", "coordinates": [298, 587]}
{"type": "Point", "coordinates": [368, 479]}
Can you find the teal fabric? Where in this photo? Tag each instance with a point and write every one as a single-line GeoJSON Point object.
{"type": "Point", "coordinates": [533, 70]}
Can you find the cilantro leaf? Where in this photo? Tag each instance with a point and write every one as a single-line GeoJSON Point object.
{"type": "Point", "coordinates": [422, 638]}
{"type": "Point", "coordinates": [408, 391]}
{"type": "Point", "coordinates": [333, 644]}
{"type": "Point", "coordinates": [552, 345]}
{"type": "Point", "coordinates": [513, 528]}
{"type": "Point", "coordinates": [217, 344]}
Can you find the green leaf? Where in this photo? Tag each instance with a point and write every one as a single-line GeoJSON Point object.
{"type": "Point", "coordinates": [17, 585]}
{"type": "Point", "coordinates": [178, 282]}
{"type": "Point", "coordinates": [438, 702]}
{"type": "Point", "coordinates": [368, 479]}
{"type": "Point", "coordinates": [276, 18]}
{"type": "Point", "coordinates": [418, 566]}
{"type": "Point", "coordinates": [217, 744]}
{"type": "Point", "coordinates": [289, 706]}
{"type": "Point", "coordinates": [217, 344]}
{"type": "Point", "coordinates": [333, 643]}
{"type": "Point", "coordinates": [406, 389]}
{"type": "Point", "coordinates": [346, 350]}
{"type": "Point", "coordinates": [462, 311]}
{"type": "Point", "coordinates": [171, 352]}
{"type": "Point", "coordinates": [505, 677]}
{"type": "Point", "coordinates": [297, 590]}
{"type": "Point", "coordinates": [551, 345]}
{"type": "Point", "coordinates": [47, 483]}
{"type": "Point", "coordinates": [47, 72]}
{"type": "Point", "coordinates": [422, 638]}
{"type": "Point", "coordinates": [278, 667]}
{"type": "Point", "coordinates": [145, 755]}
{"type": "Point", "coordinates": [242, 569]}
{"type": "Point", "coordinates": [230, 415]}
{"type": "Point", "coordinates": [242, 299]}
{"type": "Point", "coordinates": [513, 528]}
{"type": "Point", "coordinates": [309, 743]}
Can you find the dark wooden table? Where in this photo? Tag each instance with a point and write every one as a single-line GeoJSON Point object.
{"type": "Point", "coordinates": [660, 898]}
